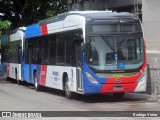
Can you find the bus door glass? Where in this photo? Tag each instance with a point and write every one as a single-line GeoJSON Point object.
{"type": "Point", "coordinates": [78, 64]}
{"type": "Point", "coordinates": [30, 47]}
{"type": "Point", "coordinates": [78, 40]}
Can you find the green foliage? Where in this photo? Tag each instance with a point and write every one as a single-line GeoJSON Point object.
{"type": "Point", "coordinates": [41, 9]}
{"type": "Point", "coordinates": [57, 7]}
{"type": "Point", "coordinates": [4, 26]}
{"type": "Point", "coordinates": [26, 12]}
{"type": "Point", "coordinates": [17, 13]}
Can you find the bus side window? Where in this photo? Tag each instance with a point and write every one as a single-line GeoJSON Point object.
{"type": "Point", "coordinates": [26, 51]}
{"type": "Point", "coordinates": [39, 51]}
{"type": "Point", "coordinates": [52, 58]}
{"type": "Point", "coordinates": [34, 42]}
{"type": "Point", "coordinates": [45, 41]}
{"type": "Point", "coordinates": [70, 49]}
{"type": "Point", "coordinates": [60, 49]}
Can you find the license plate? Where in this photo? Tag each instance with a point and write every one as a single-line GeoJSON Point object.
{"type": "Point", "coordinates": [118, 88]}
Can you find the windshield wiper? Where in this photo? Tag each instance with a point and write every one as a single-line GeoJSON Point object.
{"type": "Point", "coordinates": [107, 41]}
{"type": "Point", "coordinates": [125, 38]}
{"type": "Point", "coordinates": [123, 41]}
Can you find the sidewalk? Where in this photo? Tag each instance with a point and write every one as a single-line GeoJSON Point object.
{"type": "Point", "coordinates": [151, 98]}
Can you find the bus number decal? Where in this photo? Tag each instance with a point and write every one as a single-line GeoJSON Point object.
{"type": "Point", "coordinates": [54, 73]}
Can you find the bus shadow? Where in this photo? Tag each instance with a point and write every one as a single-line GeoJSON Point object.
{"type": "Point", "coordinates": [100, 98]}
{"type": "Point", "coordinates": [93, 98]}
{"type": "Point", "coordinates": [52, 91]}
{"type": "Point", "coordinates": [4, 81]}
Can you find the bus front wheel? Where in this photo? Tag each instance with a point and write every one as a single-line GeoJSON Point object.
{"type": "Point", "coordinates": [5, 74]}
{"type": "Point", "coordinates": [18, 81]}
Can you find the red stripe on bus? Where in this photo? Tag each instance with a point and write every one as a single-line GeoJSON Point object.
{"type": "Point", "coordinates": [9, 39]}
{"type": "Point", "coordinates": [44, 29]}
{"type": "Point", "coordinates": [128, 83]}
{"type": "Point", "coordinates": [43, 74]}
{"type": "Point", "coordinates": [110, 88]}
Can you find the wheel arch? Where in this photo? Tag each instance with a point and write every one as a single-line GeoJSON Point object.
{"type": "Point", "coordinates": [34, 73]}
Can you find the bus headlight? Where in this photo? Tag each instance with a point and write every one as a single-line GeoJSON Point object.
{"type": "Point", "coordinates": [143, 76]}
{"type": "Point", "coordinates": [91, 78]}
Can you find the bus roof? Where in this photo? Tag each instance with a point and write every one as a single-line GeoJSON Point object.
{"type": "Point", "coordinates": [87, 14]}
{"type": "Point", "coordinates": [66, 20]}
{"type": "Point", "coordinates": [33, 31]}
{"type": "Point", "coordinates": [13, 35]}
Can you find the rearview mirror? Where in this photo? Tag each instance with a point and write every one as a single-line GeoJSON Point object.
{"type": "Point", "coordinates": [84, 46]}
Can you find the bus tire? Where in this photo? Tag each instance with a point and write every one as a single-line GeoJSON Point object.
{"type": "Point", "coordinates": [18, 81]}
{"type": "Point", "coordinates": [36, 84]}
{"type": "Point", "coordinates": [118, 95]}
{"type": "Point", "coordinates": [7, 78]}
{"type": "Point", "coordinates": [68, 93]}
{"type": "Point", "coordinates": [5, 75]}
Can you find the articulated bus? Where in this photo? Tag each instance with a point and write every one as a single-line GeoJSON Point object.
{"type": "Point", "coordinates": [86, 52]}
{"type": "Point", "coordinates": [12, 46]}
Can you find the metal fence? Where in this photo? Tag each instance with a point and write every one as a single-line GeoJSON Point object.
{"type": "Point", "coordinates": [153, 81]}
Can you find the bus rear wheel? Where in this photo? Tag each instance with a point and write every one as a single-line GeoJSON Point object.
{"type": "Point", "coordinates": [5, 75]}
{"type": "Point", "coordinates": [18, 81]}
{"type": "Point", "coordinates": [118, 95]}
{"type": "Point", "coordinates": [68, 93]}
{"type": "Point", "coordinates": [36, 84]}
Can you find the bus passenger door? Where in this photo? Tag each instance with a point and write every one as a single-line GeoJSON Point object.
{"type": "Point", "coordinates": [79, 67]}
{"type": "Point", "coordinates": [30, 61]}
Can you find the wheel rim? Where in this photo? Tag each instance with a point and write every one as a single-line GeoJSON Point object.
{"type": "Point", "coordinates": [36, 82]}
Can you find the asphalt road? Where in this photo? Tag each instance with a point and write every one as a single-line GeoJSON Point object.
{"type": "Point", "coordinates": [15, 97]}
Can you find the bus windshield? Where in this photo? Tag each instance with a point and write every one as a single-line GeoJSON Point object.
{"type": "Point", "coordinates": [115, 52]}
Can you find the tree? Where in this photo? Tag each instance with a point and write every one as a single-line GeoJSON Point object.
{"type": "Point", "coordinates": [26, 12]}
{"type": "Point", "coordinates": [4, 27]}
{"type": "Point", "coordinates": [42, 9]}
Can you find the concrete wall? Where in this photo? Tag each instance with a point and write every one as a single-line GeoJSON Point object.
{"type": "Point", "coordinates": [151, 25]}
{"type": "Point", "coordinates": [100, 4]}
{"type": "Point", "coordinates": [87, 5]}
{"type": "Point", "coordinates": [122, 3]}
